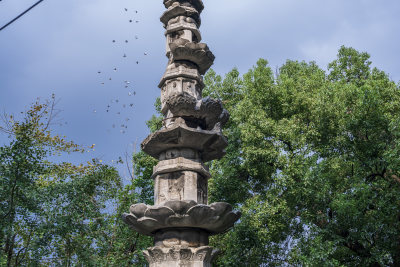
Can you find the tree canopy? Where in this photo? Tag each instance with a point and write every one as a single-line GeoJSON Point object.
{"type": "Point", "coordinates": [313, 163]}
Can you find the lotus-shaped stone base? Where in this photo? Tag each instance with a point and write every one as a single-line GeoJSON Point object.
{"type": "Point", "coordinates": [215, 218]}
{"type": "Point", "coordinates": [197, 53]}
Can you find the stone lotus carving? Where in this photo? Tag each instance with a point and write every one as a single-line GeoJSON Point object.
{"type": "Point", "coordinates": [202, 254]}
{"type": "Point", "coordinates": [198, 4]}
{"type": "Point", "coordinates": [197, 53]}
{"type": "Point", "coordinates": [185, 105]}
{"type": "Point", "coordinates": [210, 144]}
{"type": "Point", "coordinates": [215, 218]}
{"type": "Point", "coordinates": [176, 10]}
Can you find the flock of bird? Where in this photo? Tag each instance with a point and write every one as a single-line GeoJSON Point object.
{"type": "Point", "coordinates": [117, 105]}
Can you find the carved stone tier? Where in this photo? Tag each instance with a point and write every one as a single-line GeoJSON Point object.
{"type": "Point", "coordinates": [176, 10]}
{"type": "Point", "coordinates": [180, 164]}
{"type": "Point", "coordinates": [198, 4]}
{"type": "Point", "coordinates": [207, 109]}
{"type": "Point", "coordinates": [180, 256]}
{"type": "Point", "coordinates": [179, 86]}
{"type": "Point", "coordinates": [181, 69]}
{"type": "Point", "coordinates": [182, 28]}
{"type": "Point", "coordinates": [210, 144]}
{"type": "Point", "coordinates": [215, 218]}
{"type": "Point", "coordinates": [183, 23]}
{"type": "Point", "coordinates": [198, 53]}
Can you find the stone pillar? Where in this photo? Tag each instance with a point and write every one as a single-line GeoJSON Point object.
{"type": "Point", "coordinates": [181, 220]}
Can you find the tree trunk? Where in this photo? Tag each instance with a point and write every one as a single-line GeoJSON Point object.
{"type": "Point", "coordinates": [10, 248]}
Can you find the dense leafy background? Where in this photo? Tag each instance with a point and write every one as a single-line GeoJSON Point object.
{"type": "Point", "coordinates": [313, 163]}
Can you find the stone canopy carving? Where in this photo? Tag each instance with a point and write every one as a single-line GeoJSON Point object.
{"type": "Point", "coordinates": [210, 144]}
{"type": "Point", "coordinates": [181, 219]}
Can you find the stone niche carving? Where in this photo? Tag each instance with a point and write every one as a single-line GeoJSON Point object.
{"type": "Point", "coordinates": [181, 69]}
{"type": "Point", "coordinates": [180, 185]}
{"type": "Point", "coordinates": [197, 4]}
{"type": "Point", "coordinates": [182, 27]}
{"type": "Point", "coordinates": [180, 86]}
{"type": "Point", "coordinates": [184, 23]}
{"type": "Point", "coordinates": [176, 10]}
{"type": "Point", "coordinates": [174, 153]}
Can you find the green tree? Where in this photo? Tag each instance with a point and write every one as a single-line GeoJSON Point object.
{"type": "Point", "coordinates": [51, 213]}
{"type": "Point", "coordinates": [313, 163]}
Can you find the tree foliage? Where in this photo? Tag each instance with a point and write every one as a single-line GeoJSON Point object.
{"type": "Point", "coordinates": [313, 163]}
{"type": "Point", "coordinates": [60, 214]}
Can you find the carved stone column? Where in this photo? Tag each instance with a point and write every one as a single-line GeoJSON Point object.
{"type": "Point", "coordinates": [181, 220]}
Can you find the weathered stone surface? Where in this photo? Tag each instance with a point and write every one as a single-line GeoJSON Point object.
{"type": "Point", "coordinates": [180, 185]}
{"type": "Point", "coordinates": [180, 256]}
{"type": "Point", "coordinates": [181, 221]}
{"type": "Point", "coordinates": [198, 4]}
{"type": "Point", "coordinates": [197, 53]}
{"type": "Point", "coordinates": [210, 144]}
{"type": "Point", "coordinates": [182, 23]}
{"type": "Point", "coordinates": [208, 109]}
{"type": "Point", "coordinates": [179, 86]}
{"type": "Point", "coordinates": [215, 218]}
{"type": "Point", "coordinates": [176, 10]}
{"type": "Point", "coordinates": [174, 153]}
{"type": "Point", "coordinates": [180, 164]}
{"type": "Point", "coordinates": [189, 237]}
{"type": "Point", "coordinates": [181, 69]}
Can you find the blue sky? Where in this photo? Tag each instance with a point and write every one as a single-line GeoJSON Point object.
{"type": "Point", "coordinates": [60, 46]}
